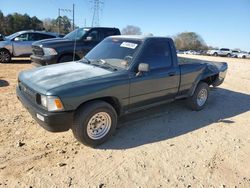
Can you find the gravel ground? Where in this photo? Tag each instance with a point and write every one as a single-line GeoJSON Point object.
{"type": "Point", "coordinates": [168, 146]}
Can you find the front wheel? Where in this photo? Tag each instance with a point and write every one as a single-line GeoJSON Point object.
{"type": "Point", "coordinates": [66, 58]}
{"type": "Point", "coordinates": [94, 123]}
{"type": "Point", "coordinates": [199, 99]}
{"type": "Point", "coordinates": [5, 56]}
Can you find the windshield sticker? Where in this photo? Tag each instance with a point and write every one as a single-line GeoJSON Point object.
{"type": "Point", "coordinates": [128, 45]}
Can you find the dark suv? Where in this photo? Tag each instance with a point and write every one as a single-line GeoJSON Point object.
{"type": "Point", "coordinates": [71, 47]}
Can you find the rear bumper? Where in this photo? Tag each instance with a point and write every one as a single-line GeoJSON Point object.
{"type": "Point", "coordinates": [43, 60]}
{"type": "Point", "coordinates": [51, 121]}
{"type": "Point", "coordinates": [222, 75]}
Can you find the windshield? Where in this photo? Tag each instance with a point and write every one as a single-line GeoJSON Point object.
{"type": "Point", "coordinates": [77, 34]}
{"type": "Point", "coordinates": [114, 51]}
{"type": "Point", "coordinates": [10, 37]}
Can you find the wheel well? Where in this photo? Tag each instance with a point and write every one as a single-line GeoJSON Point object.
{"type": "Point", "coordinates": [110, 100]}
{"type": "Point", "coordinates": [69, 54]}
{"type": "Point", "coordinates": [5, 49]}
{"type": "Point", "coordinates": [211, 79]}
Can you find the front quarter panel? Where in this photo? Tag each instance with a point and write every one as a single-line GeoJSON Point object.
{"type": "Point", "coordinates": [6, 45]}
{"type": "Point", "coordinates": [115, 85]}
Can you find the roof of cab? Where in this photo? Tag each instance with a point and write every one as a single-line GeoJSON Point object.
{"type": "Point", "coordinates": [136, 37]}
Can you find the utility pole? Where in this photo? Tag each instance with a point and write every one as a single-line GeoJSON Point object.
{"type": "Point", "coordinates": [66, 10]}
{"type": "Point", "coordinates": [59, 20]}
{"type": "Point", "coordinates": [73, 10]}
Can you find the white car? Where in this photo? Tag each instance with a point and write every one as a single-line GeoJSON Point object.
{"type": "Point", "coordinates": [244, 55]}
{"type": "Point", "coordinates": [221, 52]}
{"type": "Point", "coordinates": [192, 52]}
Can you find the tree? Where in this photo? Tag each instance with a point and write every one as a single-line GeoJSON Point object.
{"type": "Point", "coordinates": [1, 22]}
{"type": "Point", "coordinates": [131, 30]}
{"type": "Point", "coordinates": [189, 41]}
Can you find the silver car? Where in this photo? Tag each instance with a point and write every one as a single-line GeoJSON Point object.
{"type": "Point", "coordinates": [19, 44]}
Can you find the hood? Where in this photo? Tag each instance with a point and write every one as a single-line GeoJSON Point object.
{"type": "Point", "coordinates": [54, 42]}
{"type": "Point", "coordinates": [43, 79]}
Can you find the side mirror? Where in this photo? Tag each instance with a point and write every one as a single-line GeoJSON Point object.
{"type": "Point", "coordinates": [17, 39]}
{"type": "Point", "coordinates": [143, 67]}
{"type": "Point", "coordinates": [89, 38]}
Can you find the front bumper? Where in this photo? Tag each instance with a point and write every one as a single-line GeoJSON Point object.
{"type": "Point", "coordinates": [44, 60]}
{"type": "Point", "coordinates": [51, 121]}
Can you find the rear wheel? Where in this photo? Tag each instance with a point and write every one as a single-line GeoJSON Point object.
{"type": "Point", "coordinates": [94, 123]}
{"type": "Point", "coordinates": [228, 55]}
{"type": "Point", "coordinates": [5, 56]}
{"type": "Point", "coordinates": [243, 57]}
{"type": "Point", "coordinates": [199, 99]}
{"type": "Point", "coordinates": [215, 54]}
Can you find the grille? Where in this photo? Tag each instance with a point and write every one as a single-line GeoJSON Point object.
{"type": "Point", "coordinates": [28, 93]}
{"type": "Point", "coordinates": [38, 51]}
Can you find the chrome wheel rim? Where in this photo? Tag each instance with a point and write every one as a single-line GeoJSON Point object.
{"type": "Point", "coordinates": [4, 56]}
{"type": "Point", "coordinates": [99, 125]}
{"type": "Point", "coordinates": [202, 97]}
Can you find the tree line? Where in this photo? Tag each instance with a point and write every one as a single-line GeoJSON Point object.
{"type": "Point", "coordinates": [12, 23]}
{"type": "Point", "coordinates": [16, 22]}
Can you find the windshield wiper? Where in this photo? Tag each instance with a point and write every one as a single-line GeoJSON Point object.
{"type": "Point", "coordinates": [103, 62]}
{"type": "Point", "coordinates": [85, 60]}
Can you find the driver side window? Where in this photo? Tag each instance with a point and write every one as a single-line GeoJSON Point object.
{"type": "Point", "coordinates": [95, 36]}
{"type": "Point", "coordinates": [23, 37]}
{"type": "Point", "coordinates": [157, 54]}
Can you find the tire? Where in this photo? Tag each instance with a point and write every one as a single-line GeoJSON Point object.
{"type": "Point", "coordinates": [97, 115]}
{"type": "Point", "coordinates": [199, 99]}
{"type": "Point", "coordinates": [244, 57]}
{"type": "Point", "coordinates": [228, 55]}
{"type": "Point", "coordinates": [215, 54]}
{"type": "Point", "coordinates": [65, 58]}
{"type": "Point", "coordinates": [5, 56]}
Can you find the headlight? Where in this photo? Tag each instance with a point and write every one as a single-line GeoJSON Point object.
{"type": "Point", "coordinates": [52, 103]}
{"type": "Point", "coordinates": [49, 51]}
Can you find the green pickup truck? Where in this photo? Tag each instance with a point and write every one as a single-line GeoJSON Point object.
{"type": "Point", "coordinates": [121, 75]}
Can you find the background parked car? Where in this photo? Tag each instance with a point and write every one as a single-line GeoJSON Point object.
{"type": "Point", "coordinates": [221, 52]}
{"type": "Point", "coordinates": [235, 53]}
{"type": "Point", "coordinates": [244, 55]}
{"type": "Point", "coordinates": [71, 47]}
{"type": "Point", "coordinates": [19, 44]}
{"type": "Point", "coordinates": [191, 52]}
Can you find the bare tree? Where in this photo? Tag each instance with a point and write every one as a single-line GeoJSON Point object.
{"type": "Point", "coordinates": [131, 30]}
{"type": "Point", "coordinates": [189, 41]}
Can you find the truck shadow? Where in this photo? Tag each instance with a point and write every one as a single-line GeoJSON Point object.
{"type": "Point", "coordinates": [172, 120]}
{"type": "Point", "coordinates": [4, 83]}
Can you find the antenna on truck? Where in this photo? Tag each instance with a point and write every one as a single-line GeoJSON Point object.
{"type": "Point", "coordinates": [74, 51]}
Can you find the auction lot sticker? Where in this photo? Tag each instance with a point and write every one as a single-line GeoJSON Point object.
{"type": "Point", "coordinates": [128, 45]}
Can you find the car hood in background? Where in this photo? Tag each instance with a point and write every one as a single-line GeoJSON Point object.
{"type": "Point", "coordinates": [54, 42]}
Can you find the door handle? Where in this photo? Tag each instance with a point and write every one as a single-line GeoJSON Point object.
{"type": "Point", "coordinates": [171, 73]}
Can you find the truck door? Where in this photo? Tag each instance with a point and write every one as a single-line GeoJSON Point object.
{"type": "Point", "coordinates": [161, 82]}
{"type": "Point", "coordinates": [22, 44]}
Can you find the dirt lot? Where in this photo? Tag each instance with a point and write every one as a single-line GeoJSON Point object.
{"type": "Point", "coordinates": [169, 146]}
